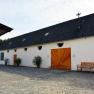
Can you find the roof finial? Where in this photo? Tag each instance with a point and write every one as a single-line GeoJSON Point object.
{"type": "Point", "coordinates": [78, 14]}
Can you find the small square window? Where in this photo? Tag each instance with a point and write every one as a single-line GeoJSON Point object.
{"type": "Point", "coordinates": [25, 49]}
{"type": "Point", "coordinates": [23, 39]}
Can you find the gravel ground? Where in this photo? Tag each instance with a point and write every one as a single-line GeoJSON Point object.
{"type": "Point", "coordinates": [25, 80]}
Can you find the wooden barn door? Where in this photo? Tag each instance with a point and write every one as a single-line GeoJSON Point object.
{"type": "Point", "coordinates": [14, 58]}
{"type": "Point", "coordinates": [61, 58]}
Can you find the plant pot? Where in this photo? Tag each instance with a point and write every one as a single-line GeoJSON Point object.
{"type": "Point", "coordinates": [18, 65]}
{"type": "Point", "coordinates": [38, 65]}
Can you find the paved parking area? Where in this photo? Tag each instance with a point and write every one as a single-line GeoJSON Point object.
{"type": "Point", "coordinates": [25, 80]}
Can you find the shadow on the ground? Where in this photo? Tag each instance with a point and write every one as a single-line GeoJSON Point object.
{"type": "Point", "coordinates": [39, 73]}
{"type": "Point", "coordinates": [74, 79]}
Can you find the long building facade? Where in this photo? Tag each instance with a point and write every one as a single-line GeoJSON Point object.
{"type": "Point", "coordinates": [62, 46]}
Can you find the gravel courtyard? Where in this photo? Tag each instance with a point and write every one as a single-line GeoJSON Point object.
{"type": "Point", "coordinates": [25, 80]}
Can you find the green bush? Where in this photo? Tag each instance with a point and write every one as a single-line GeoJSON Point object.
{"type": "Point", "coordinates": [37, 61]}
{"type": "Point", "coordinates": [18, 62]}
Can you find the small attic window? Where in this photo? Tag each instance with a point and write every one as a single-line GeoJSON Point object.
{"type": "Point", "coordinates": [39, 47]}
{"type": "Point", "coordinates": [79, 27]}
{"type": "Point", "coordinates": [60, 44]}
{"type": "Point", "coordinates": [10, 43]}
{"type": "Point", "coordinates": [23, 39]}
{"type": "Point", "coordinates": [46, 34]}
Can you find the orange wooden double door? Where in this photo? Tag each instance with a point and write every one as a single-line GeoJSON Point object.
{"type": "Point", "coordinates": [61, 58]}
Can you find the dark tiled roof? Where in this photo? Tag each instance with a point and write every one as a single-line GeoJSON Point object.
{"type": "Point", "coordinates": [76, 28]}
{"type": "Point", "coordinates": [4, 29]}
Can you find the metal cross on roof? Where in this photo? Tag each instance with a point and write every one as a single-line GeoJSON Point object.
{"type": "Point", "coordinates": [78, 14]}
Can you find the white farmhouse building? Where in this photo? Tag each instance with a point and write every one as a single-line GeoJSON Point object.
{"type": "Point", "coordinates": [61, 46]}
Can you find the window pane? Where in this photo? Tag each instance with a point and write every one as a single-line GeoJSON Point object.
{"type": "Point", "coordinates": [2, 56]}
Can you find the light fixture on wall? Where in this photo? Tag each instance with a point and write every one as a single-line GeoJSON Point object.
{"type": "Point", "coordinates": [60, 44]}
{"type": "Point", "coordinates": [25, 49]}
{"type": "Point", "coordinates": [8, 51]}
{"type": "Point", "coordinates": [39, 47]}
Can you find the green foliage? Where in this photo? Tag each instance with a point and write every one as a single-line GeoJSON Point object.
{"type": "Point", "coordinates": [37, 61]}
{"type": "Point", "coordinates": [18, 62]}
{"type": "Point", "coordinates": [6, 61]}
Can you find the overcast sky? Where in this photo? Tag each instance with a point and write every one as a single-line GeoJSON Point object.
{"type": "Point", "coordinates": [29, 15]}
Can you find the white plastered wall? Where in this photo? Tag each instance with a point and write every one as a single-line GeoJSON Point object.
{"type": "Point", "coordinates": [81, 50]}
